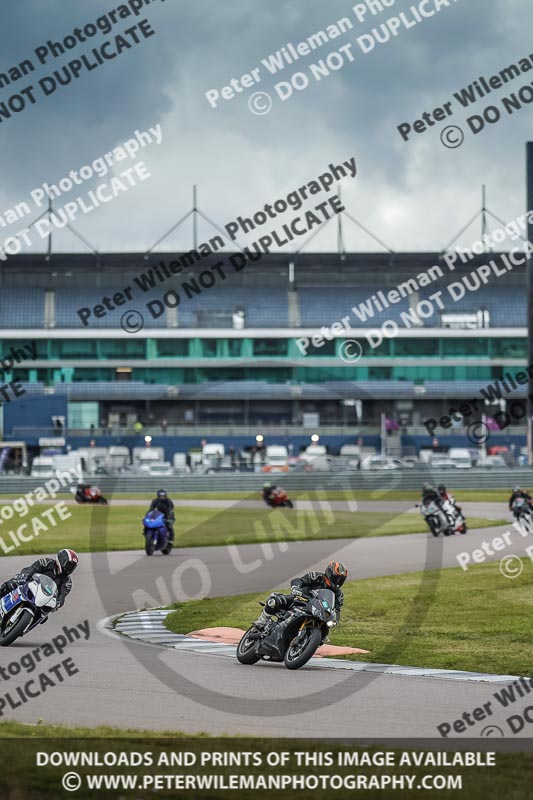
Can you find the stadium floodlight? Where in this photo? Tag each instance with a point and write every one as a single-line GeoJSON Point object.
{"type": "Point", "coordinates": [259, 438]}
{"type": "Point", "coordinates": [315, 438]}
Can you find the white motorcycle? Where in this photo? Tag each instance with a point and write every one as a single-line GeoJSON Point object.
{"type": "Point", "coordinates": [438, 522]}
{"type": "Point", "coordinates": [455, 516]}
{"type": "Point", "coordinates": [26, 607]}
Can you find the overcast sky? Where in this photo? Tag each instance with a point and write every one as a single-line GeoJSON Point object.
{"type": "Point", "coordinates": [414, 195]}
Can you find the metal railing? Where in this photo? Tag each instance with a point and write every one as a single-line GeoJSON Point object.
{"type": "Point", "coordinates": [369, 428]}
{"type": "Point", "coordinates": [394, 480]}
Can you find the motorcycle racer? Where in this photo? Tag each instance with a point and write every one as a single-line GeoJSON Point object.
{"type": "Point", "coordinates": [429, 494]}
{"type": "Point", "coordinates": [59, 569]}
{"type": "Point", "coordinates": [518, 492]}
{"type": "Point", "coordinates": [164, 504]}
{"type": "Point", "coordinates": [332, 578]}
{"type": "Point", "coordinates": [268, 490]}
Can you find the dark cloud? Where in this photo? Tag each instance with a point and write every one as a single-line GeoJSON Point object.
{"type": "Point", "coordinates": [415, 195]}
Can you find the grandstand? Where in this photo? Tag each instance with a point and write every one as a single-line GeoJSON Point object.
{"type": "Point", "coordinates": [230, 356]}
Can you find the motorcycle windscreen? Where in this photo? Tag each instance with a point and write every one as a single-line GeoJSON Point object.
{"type": "Point", "coordinates": [48, 589]}
{"type": "Point", "coordinates": [154, 520]}
{"type": "Point", "coordinates": [327, 598]}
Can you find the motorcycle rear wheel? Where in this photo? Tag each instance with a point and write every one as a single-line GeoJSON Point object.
{"type": "Point", "coordinates": [167, 549]}
{"type": "Point", "coordinates": [14, 631]}
{"type": "Point", "coordinates": [298, 655]}
{"type": "Point", "coordinates": [245, 654]}
{"type": "Point", "coordinates": [289, 504]}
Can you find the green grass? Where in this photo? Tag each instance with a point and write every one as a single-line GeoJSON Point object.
{"type": "Point", "coordinates": [477, 621]}
{"type": "Point", "coordinates": [97, 528]}
{"type": "Point", "coordinates": [384, 494]}
{"type": "Point", "coordinates": [19, 730]}
{"type": "Point", "coordinates": [22, 779]}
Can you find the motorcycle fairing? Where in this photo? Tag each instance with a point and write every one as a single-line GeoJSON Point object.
{"type": "Point", "coordinates": [11, 600]}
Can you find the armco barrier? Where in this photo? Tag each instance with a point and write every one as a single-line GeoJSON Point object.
{"type": "Point", "coordinates": [406, 479]}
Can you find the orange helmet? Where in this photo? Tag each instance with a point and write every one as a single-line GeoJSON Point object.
{"type": "Point", "coordinates": [335, 573]}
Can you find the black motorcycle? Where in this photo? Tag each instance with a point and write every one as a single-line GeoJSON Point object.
{"type": "Point", "coordinates": [522, 511]}
{"type": "Point", "coordinates": [292, 636]}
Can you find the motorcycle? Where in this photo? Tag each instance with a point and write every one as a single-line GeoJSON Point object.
{"type": "Point", "coordinates": [26, 607]}
{"type": "Point", "coordinates": [437, 521]}
{"type": "Point", "coordinates": [455, 516]}
{"type": "Point", "coordinates": [522, 511]}
{"type": "Point", "coordinates": [156, 533]}
{"type": "Point", "coordinates": [279, 499]}
{"type": "Point", "coordinates": [293, 636]}
{"type": "Point", "coordinates": [89, 494]}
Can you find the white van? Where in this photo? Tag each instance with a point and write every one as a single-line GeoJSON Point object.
{"type": "Point", "coordinates": [313, 451]}
{"type": "Point", "coordinates": [42, 467]}
{"type": "Point", "coordinates": [68, 462]}
{"type": "Point", "coordinates": [277, 458]}
{"type": "Point", "coordinates": [213, 454]}
{"type": "Point", "coordinates": [461, 457]}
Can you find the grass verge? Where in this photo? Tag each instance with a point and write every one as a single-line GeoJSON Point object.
{"type": "Point", "coordinates": [98, 528]}
{"type": "Point", "coordinates": [450, 619]}
{"type": "Point", "coordinates": [384, 494]}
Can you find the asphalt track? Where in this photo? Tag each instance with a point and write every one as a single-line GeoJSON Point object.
{"type": "Point", "coordinates": [486, 510]}
{"type": "Point", "coordinates": [128, 684]}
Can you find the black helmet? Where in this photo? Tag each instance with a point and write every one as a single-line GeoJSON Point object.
{"type": "Point", "coordinates": [67, 561]}
{"type": "Point", "coordinates": [162, 494]}
{"type": "Point", "coordinates": [427, 487]}
{"type": "Point", "coordinates": [336, 573]}
{"type": "Point", "coordinates": [441, 489]}
{"type": "Point", "coordinates": [517, 489]}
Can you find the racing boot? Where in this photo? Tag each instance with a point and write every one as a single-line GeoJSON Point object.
{"type": "Point", "coordinates": [261, 621]}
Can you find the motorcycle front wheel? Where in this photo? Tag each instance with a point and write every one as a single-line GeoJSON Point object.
{"type": "Point", "coordinates": [245, 649]}
{"type": "Point", "coordinates": [302, 648]}
{"type": "Point", "coordinates": [289, 504]}
{"type": "Point", "coordinates": [13, 632]}
{"type": "Point", "coordinates": [148, 544]}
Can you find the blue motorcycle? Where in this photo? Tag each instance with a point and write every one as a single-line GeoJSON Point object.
{"type": "Point", "coordinates": [156, 533]}
{"type": "Point", "coordinates": [26, 607]}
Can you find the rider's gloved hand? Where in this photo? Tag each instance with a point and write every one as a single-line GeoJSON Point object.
{"type": "Point", "coordinates": [59, 604]}
{"type": "Point", "coordinates": [296, 590]}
